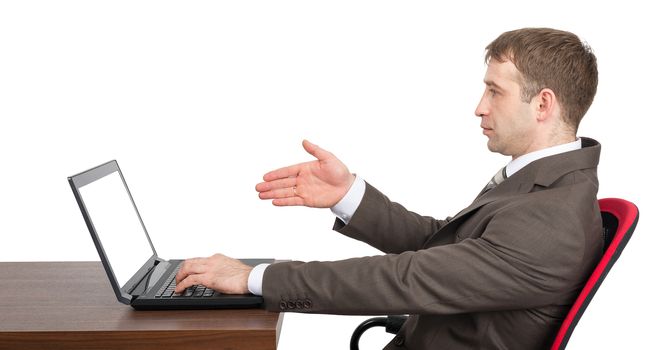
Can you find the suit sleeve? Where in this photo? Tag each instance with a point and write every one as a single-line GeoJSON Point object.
{"type": "Point", "coordinates": [519, 262]}
{"type": "Point", "coordinates": [387, 225]}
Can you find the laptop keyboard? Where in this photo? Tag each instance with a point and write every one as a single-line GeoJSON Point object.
{"type": "Point", "coordinates": [167, 289]}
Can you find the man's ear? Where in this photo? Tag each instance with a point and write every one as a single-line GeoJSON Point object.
{"type": "Point", "coordinates": [547, 105]}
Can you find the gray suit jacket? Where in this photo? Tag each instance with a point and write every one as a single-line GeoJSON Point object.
{"type": "Point", "coordinates": [501, 274]}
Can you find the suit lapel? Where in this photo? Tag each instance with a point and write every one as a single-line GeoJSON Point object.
{"type": "Point", "coordinates": [543, 172]}
{"type": "Point", "coordinates": [508, 188]}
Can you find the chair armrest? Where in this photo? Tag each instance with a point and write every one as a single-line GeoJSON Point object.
{"type": "Point", "coordinates": [392, 325]}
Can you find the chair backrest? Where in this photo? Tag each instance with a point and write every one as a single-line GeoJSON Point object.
{"type": "Point", "coordinates": [619, 220]}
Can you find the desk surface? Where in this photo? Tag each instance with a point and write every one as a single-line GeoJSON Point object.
{"type": "Point", "coordinates": [71, 305]}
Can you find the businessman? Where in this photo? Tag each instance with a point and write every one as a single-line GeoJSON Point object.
{"type": "Point", "coordinates": [500, 274]}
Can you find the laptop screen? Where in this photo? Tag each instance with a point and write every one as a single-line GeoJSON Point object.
{"type": "Point", "coordinates": [117, 224]}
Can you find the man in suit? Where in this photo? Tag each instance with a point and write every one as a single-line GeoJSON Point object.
{"type": "Point", "coordinates": [500, 274]}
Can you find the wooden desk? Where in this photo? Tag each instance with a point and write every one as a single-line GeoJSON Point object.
{"type": "Point", "coordinates": [70, 305]}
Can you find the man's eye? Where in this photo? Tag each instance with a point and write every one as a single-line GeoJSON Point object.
{"type": "Point", "coordinates": [492, 92]}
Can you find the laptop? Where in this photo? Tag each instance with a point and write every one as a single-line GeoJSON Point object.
{"type": "Point", "coordinates": [138, 276]}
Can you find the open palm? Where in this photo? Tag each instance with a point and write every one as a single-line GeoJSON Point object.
{"type": "Point", "coordinates": [320, 183]}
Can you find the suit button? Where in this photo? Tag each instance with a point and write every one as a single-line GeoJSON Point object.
{"type": "Point", "coordinates": [308, 304]}
{"type": "Point", "coordinates": [283, 305]}
{"type": "Point", "coordinates": [291, 304]}
{"type": "Point", "coordinates": [399, 341]}
{"type": "Point", "coordinates": [300, 304]}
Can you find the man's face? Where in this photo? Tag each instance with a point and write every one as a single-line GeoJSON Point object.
{"type": "Point", "coordinates": [507, 121]}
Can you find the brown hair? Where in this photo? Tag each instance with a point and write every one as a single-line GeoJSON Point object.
{"type": "Point", "coordinates": [554, 59]}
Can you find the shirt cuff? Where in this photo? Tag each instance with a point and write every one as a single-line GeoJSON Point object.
{"type": "Point", "coordinates": [347, 206]}
{"type": "Point", "coordinates": [255, 279]}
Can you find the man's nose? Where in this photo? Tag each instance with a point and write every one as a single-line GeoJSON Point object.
{"type": "Point", "coordinates": [482, 109]}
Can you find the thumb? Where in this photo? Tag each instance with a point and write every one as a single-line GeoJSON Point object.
{"type": "Point", "coordinates": [315, 150]}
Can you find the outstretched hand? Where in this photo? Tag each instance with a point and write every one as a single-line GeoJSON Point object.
{"type": "Point", "coordinates": [320, 183]}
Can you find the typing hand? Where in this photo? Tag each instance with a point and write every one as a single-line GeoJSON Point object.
{"type": "Point", "coordinates": [218, 272]}
{"type": "Point", "coordinates": [320, 183]}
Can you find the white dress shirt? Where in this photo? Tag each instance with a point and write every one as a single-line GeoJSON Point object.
{"type": "Point", "coordinates": [346, 207]}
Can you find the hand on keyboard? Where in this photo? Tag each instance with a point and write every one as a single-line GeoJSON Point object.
{"type": "Point", "coordinates": [167, 289]}
{"type": "Point", "coordinates": [218, 272]}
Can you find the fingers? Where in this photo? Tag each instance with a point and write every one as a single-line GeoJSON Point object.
{"type": "Point", "coordinates": [190, 281]}
{"type": "Point", "coordinates": [290, 201]}
{"type": "Point", "coordinates": [192, 272]}
{"type": "Point", "coordinates": [218, 272]}
{"type": "Point", "coordinates": [289, 171]}
{"type": "Point", "coordinates": [315, 150]}
{"type": "Point", "coordinates": [276, 184]}
{"type": "Point", "coordinates": [280, 193]}
{"type": "Point", "coordinates": [189, 273]}
{"type": "Point", "coordinates": [190, 267]}
{"type": "Point", "coordinates": [294, 170]}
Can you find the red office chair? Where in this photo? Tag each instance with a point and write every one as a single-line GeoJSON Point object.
{"type": "Point", "coordinates": [619, 220]}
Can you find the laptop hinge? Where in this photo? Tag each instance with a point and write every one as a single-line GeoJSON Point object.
{"type": "Point", "coordinates": [148, 281]}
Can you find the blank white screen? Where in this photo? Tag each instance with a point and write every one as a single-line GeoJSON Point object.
{"type": "Point", "coordinates": [117, 225]}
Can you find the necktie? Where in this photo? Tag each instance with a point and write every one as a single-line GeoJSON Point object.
{"type": "Point", "coordinates": [496, 180]}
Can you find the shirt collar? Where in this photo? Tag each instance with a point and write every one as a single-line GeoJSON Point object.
{"type": "Point", "coordinates": [520, 162]}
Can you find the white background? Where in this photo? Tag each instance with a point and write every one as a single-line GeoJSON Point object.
{"type": "Point", "coordinates": [197, 100]}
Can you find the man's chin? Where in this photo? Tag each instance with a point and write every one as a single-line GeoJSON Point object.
{"type": "Point", "coordinates": [495, 148]}
{"type": "Point", "coordinates": [491, 146]}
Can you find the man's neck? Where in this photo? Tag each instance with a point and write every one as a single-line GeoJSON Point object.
{"type": "Point", "coordinates": [538, 145]}
{"type": "Point", "coordinates": [518, 163]}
